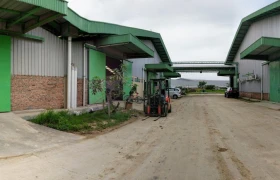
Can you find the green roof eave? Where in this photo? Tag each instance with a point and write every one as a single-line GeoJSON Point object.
{"type": "Point", "coordinates": [95, 27]}
{"type": "Point", "coordinates": [171, 75]}
{"type": "Point", "coordinates": [226, 73]}
{"type": "Point", "coordinates": [118, 40]}
{"type": "Point", "coordinates": [59, 6]}
{"type": "Point", "coordinates": [158, 68]}
{"type": "Point", "coordinates": [259, 50]}
{"type": "Point", "coordinates": [268, 11]}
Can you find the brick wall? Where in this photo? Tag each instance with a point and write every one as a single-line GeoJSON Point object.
{"type": "Point", "coordinates": [254, 95]}
{"type": "Point", "coordinates": [80, 92]}
{"type": "Point", "coordinates": [37, 92]}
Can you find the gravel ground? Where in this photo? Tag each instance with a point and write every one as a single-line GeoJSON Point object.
{"type": "Point", "coordinates": [205, 137]}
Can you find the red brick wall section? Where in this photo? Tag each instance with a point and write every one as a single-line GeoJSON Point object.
{"type": "Point", "coordinates": [80, 92]}
{"type": "Point", "coordinates": [37, 92]}
{"type": "Point", "coordinates": [254, 95]}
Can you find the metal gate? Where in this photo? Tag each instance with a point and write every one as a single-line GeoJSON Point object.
{"type": "Point", "coordinates": [274, 68]}
{"type": "Point", "coordinates": [97, 64]}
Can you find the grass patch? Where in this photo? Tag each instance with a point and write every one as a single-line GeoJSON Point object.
{"type": "Point", "coordinates": [86, 122]}
{"type": "Point", "coordinates": [221, 91]}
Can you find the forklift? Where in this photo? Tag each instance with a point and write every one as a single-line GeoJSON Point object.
{"type": "Point", "coordinates": [157, 99]}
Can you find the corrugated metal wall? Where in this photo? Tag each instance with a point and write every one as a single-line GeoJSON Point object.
{"type": "Point", "coordinates": [138, 64]}
{"type": "Point", "coordinates": [269, 27]}
{"type": "Point", "coordinates": [78, 58]}
{"type": "Point", "coordinates": [46, 58]}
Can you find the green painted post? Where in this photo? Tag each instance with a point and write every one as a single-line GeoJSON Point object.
{"type": "Point", "coordinates": [128, 78]}
{"type": "Point", "coordinates": [5, 73]}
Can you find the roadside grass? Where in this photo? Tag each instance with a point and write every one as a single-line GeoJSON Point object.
{"type": "Point", "coordinates": [83, 123]}
{"type": "Point", "coordinates": [221, 91]}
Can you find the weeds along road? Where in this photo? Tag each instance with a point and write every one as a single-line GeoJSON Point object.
{"type": "Point", "coordinates": [205, 137]}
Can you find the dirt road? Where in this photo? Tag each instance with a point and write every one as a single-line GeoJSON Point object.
{"type": "Point", "coordinates": [205, 137]}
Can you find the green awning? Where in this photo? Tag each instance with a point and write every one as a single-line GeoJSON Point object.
{"type": "Point", "coordinates": [226, 73]}
{"type": "Point", "coordinates": [128, 44]}
{"type": "Point", "coordinates": [171, 75]}
{"type": "Point", "coordinates": [158, 68]}
{"type": "Point", "coordinates": [262, 49]}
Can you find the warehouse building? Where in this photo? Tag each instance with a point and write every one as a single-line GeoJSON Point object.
{"type": "Point", "coordinates": [49, 53]}
{"type": "Point", "coordinates": [255, 53]}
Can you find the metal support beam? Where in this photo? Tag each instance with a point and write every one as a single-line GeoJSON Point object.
{"type": "Point", "coordinates": [26, 15]}
{"type": "Point", "coordinates": [199, 62]}
{"type": "Point", "coordinates": [40, 23]}
{"type": "Point", "coordinates": [24, 36]}
{"type": "Point", "coordinates": [15, 12]}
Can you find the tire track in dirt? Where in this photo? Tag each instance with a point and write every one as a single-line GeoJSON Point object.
{"type": "Point", "coordinates": [220, 146]}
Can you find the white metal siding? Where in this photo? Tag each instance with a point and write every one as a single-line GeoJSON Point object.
{"type": "Point", "coordinates": [46, 58]}
{"type": "Point", "coordinates": [138, 64]}
{"type": "Point", "coordinates": [269, 27]}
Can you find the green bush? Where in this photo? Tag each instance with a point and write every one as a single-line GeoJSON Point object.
{"type": "Point", "coordinates": [210, 87]}
{"type": "Point", "coordinates": [64, 121]}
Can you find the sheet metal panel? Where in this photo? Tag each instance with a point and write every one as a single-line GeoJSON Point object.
{"type": "Point", "coordinates": [138, 64]}
{"type": "Point", "coordinates": [269, 27]}
{"type": "Point", "coordinates": [78, 57]}
{"type": "Point", "coordinates": [46, 58]}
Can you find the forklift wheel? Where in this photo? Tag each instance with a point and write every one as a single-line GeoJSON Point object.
{"type": "Point", "coordinates": [170, 110]}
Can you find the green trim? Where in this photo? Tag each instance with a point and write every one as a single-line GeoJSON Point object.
{"type": "Point", "coordinates": [59, 6]}
{"type": "Point", "coordinates": [171, 75]}
{"type": "Point", "coordinates": [28, 14]}
{"type": "Point", "coordinates": [263, 41]}
{"type": "Point", "coordinates": [95, 27]}
{"type": "Point", "coordinates": [226, 73]}
{"type": "Point", "coordinates": [158, 68]}
{"type": "Point", "coordinates": [119, 40]}
{"type": "Point", "coordinates": [268, 11]}
{"type": "Point", "coordinates": [24, 36]}
{"type": "Point", "coordinates": [5, 73]}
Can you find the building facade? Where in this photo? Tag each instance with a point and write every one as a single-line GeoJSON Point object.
{"type": "Point", "coordinates": [49, 54]}
{"type": "Point", "coordinates": [255, 53]}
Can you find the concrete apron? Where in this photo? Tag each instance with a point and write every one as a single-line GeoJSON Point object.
{"type": "Point", "coordinates": [20, 137]}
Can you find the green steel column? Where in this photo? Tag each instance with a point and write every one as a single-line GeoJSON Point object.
{"type": "Point", "coordinates": [128, 78]}
{"type": "Point", "coordinates": [5, 73]}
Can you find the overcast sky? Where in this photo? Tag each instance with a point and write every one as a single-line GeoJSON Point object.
{"type": "Point", "coordinates": [192, 30]}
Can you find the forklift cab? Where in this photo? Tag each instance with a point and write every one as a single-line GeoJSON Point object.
{"type": "Point", "coordinates": [157, 98]}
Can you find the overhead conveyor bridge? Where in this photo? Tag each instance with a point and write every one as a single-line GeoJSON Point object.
{"type": "Point", "coordinates": [208, 67]}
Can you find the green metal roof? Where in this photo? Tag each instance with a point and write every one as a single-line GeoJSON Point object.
{"type": "Point", "coordinates": [158, 68]}
{"type": "Point", "coordinates": [226, 73]}
{"type": "Point", "coordinates": [171, 75]}
{"type": "Point", "coordinates": [95, 27]}
{"type": "Point", "coordinates": [268, 11]}
{"type": "Point", "coordinates": [59, 6]}
{"type": "Point", "coordinates": [21, 16]}
{"type": "Point", "coordinates": [128, 44]}
{"type": "Point", "coordinates": [261, 49]}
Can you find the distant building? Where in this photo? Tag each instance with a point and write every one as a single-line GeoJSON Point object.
{"type": "Point", "coordinates": [191, 83]}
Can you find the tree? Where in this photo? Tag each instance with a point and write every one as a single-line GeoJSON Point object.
{"type": "Point", "coordinates": [112, 86]}
{"type": "Point", "coordinates": [210, 87]}
{"type": "Point", "coordinates": [201, 84]}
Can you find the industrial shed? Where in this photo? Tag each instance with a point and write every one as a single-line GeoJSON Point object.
{"type": "Point", "coordinates": [255, 53]}
{"type": "Point", "coordinates": [49, 53]}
